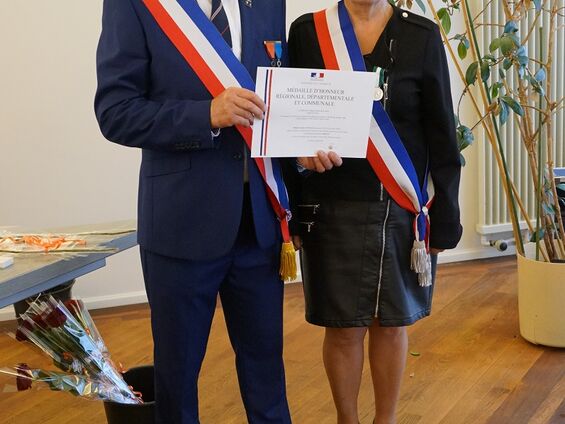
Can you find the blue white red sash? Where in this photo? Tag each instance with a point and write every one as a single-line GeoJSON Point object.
{"type": "Point", "coordinates": [210, 57]}
{"type": "Point", "coordinates": [385, 152]}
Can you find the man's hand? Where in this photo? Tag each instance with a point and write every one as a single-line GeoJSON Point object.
{"type": "Point", "coordinates": [322, 162]}
{"type": "Point", "coordinates": [435, 251]}
{"type": "Point", "coordinates": [236, 106]}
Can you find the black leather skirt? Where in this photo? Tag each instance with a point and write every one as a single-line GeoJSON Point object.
{"type": "Point", "coordinates": [356, 264]}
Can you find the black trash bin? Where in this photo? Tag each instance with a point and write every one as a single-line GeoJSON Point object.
{"type": "Point", "coordinates": [142, 380]}
{"type": "Point", "coordinates": [561, 196]}
{"type": "Point", "coordinates": [62, 292]}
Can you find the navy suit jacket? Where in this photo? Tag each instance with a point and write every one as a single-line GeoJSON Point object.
{"type": "Point", "coordinates": [191, 184]}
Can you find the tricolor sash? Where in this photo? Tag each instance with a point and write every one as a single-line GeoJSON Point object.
{"type": "Point", "coordinates": [385, 152]}
{"type": "Point", "coordinates": [210, 57]}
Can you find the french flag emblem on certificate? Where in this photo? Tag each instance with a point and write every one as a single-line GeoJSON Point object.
{"type": "Point", "coordinates": [317, 75]}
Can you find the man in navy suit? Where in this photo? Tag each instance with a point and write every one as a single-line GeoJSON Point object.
{"type": "Point", "coordinates": [205, 222]}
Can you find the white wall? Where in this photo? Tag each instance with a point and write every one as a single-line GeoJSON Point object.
{"type": "Point", "coordinates": [55, 167]}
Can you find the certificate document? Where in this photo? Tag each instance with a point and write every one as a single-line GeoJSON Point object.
{"type": "Point", "coordinates": [311, 109]}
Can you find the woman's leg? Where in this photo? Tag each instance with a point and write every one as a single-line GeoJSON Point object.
{"type": "Point", "coordinates": [388, 347]}
{"type": "Point", "coordinates": [343, 359]}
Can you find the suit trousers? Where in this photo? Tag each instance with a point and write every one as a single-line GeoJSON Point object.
{"type": "Point", "coordinates": [182, 295]}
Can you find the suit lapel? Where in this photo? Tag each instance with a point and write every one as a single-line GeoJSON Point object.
{"type": "Point", "coordinates": [246, 13]}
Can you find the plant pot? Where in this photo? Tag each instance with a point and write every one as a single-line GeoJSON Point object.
{"type": "Point", "coordinates": [61, 292]}
{"type": "Point", "coordinates": [541, 300]}
{"type": "Point", "coordinates": [142, 380]}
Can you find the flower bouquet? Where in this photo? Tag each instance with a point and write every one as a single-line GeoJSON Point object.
{"type": "Point", "coordinates": [67, 333]}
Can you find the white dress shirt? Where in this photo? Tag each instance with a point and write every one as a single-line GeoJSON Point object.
{"type": "Point", "coordinates": [234, 19]}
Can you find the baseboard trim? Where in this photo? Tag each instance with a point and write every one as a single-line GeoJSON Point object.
{"type": "Point", "coordinates": [97, 302]}
{"type": "Point", "coordinates": [463, 255]}
{"type": "Point", "coordinates": [136, 297]}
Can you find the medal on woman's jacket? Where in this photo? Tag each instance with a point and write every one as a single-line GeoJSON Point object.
{"type": "Point", "coordinates": [386, 153]}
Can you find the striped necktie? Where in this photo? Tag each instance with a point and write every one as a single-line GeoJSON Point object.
{"type": "Point", "coordinates": [220, 20]}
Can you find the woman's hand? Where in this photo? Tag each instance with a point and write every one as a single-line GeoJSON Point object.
{"type": "Point", "coordinates": [297, 241]}
{"type": "Point", "coordinates": [322, 162]}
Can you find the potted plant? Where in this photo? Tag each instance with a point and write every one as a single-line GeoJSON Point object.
{"type": "Point", "coordinates": [508, 82]}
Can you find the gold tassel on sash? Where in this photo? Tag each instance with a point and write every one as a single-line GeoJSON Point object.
{"type": "Point", "coordinates": [288, 262]}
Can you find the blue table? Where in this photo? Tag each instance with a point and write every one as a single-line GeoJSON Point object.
{"type": "Point", "coordinates": [34, 273]}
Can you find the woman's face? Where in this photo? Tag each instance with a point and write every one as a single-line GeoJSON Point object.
{"type": "Point", "coordinates": [365, 2]}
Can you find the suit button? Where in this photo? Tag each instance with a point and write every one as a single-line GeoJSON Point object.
{"type": "Point", "coordinates": [237, 156]}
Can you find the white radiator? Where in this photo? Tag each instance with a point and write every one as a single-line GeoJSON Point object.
{"type": "Point", "coordinates": [494, 212]}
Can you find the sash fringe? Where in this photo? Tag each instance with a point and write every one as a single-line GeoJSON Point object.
{"type": "Point", "coordinates": [201, 45]}
{"type": "Point", "coordinates": [386, 153]}
{"type": "Point", "coordinates": [288, 270]}
{"type": "Point", "coordinates": [421, 263]}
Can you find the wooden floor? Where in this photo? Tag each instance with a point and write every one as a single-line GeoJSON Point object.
{"type": "Point", "coordinates": [473, 366]}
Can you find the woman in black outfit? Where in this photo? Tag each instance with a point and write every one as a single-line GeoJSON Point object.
{"type": "Point", "coordinates": [356, 241]}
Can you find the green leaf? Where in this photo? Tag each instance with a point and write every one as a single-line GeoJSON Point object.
{"type": "Point", "coordinates": [420, 4]}
{"type": "Point", "coordinates": [522, 72]}
{"type": "Point", "coordinates": [462, 50]}
{"type": "Point", "coordinates": [471, 74]}
{"type": "Point", "coordinates": [462, 159]}
{"type": "Point", "coordinates": [540, 75]}
{"type": "Point", "coordinates": [446, 23]}
{"type": "Point", "coordinates": [522, 55]}
{"type": "Point", "coordinates": [463, 38]}
{"type": "Point", "coordinates": [504, 113]}
{"type": "Point", "coordinates": [511, 27]}
{"type": "Point", "coordinates": [537, 235]}
{"type": "Point", "coordinates": [522, 51]}
{"type": "Point", "coordinates": [506, 45]}
{"type": "Point", "coordinates": [548, 209]}
{"type": "Point", "coordinates": [513, 104]}
{"type": "Point", "coordinates": [501, 73]}
{"type": "Point", "coordinates": [489, 58]}
{"type": "Point", "coordinates": [495, 89]}
{"type": "Point", "coordinates": [515, 39]}
{"type": "Point", "coordinates": [507, 64]}
{"type": "Point", "coordinates": [465, 137]}
{"type": "Point", "coordinates": [494, 45]}
{"type": "Point", "coordinates": [485, 71]}
{"type": "Point", "coordinates": [536, 86]}
{"type": "Point", "coordinates": [523, 60]}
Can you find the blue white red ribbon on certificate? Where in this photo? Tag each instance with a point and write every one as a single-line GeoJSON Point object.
{"type": "Point", "coordinates": [265, 123]}
{"type": "Point", "coordinates": [386, 153]}
{"type": "Point", "coordinates": [211, 58]}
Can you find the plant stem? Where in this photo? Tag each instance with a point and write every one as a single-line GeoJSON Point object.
{"type": "Point", "coordinates": [540, 194]}
{"type": "Point", "coordinates": [486, 92]}
{"type": "Point", "coordinates": [530, 32]}
{"type": "Point", "coordinates": [549, 132]}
